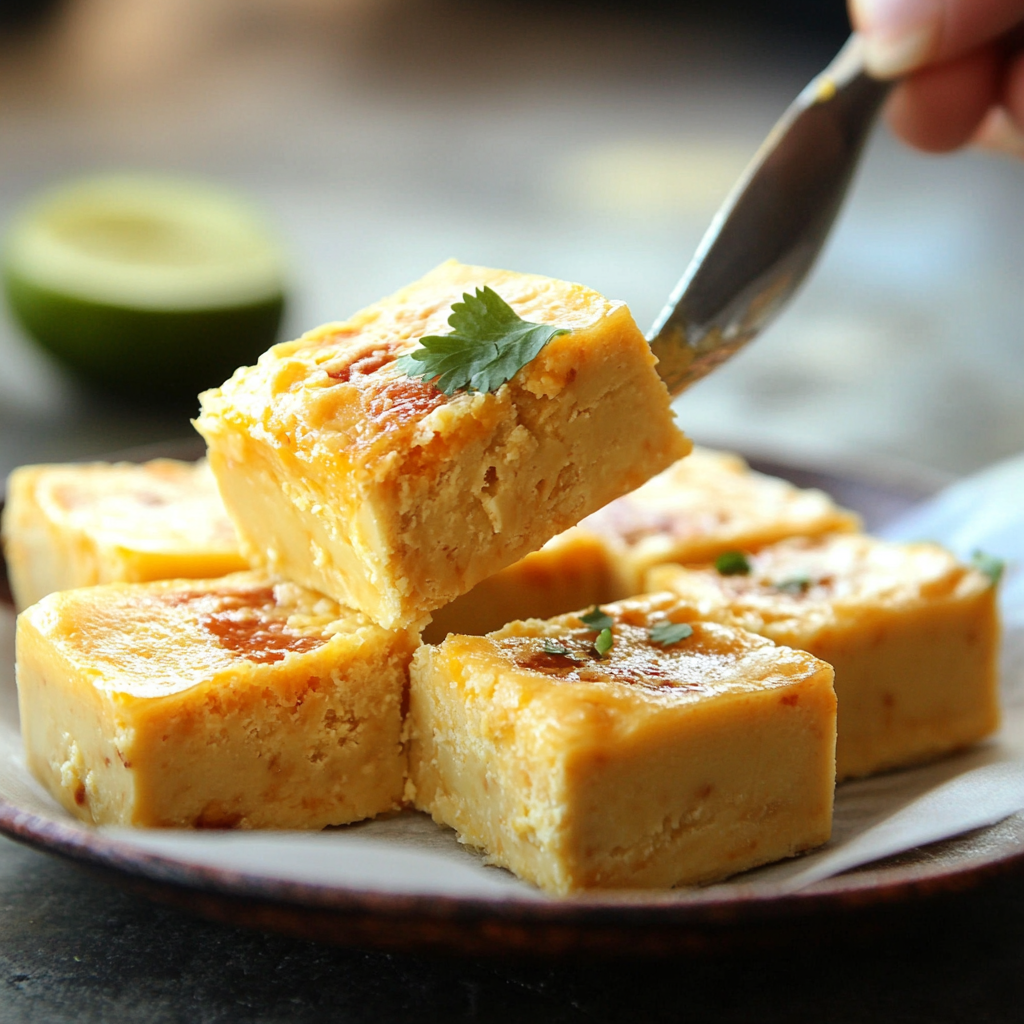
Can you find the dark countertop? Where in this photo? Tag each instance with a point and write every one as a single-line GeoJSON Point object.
{"type": "Point", "coordinates": [77, 949]}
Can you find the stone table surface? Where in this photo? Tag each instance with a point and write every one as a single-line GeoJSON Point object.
{"type": "Point", "coordinates": [588, 143]}
{"type": "Point", "coordinates": [80, 950]}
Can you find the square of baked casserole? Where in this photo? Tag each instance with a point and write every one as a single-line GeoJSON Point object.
{"type": "Point", "coordinates": [231, 703]}
{"type": "Point", "coordinates": [653, 765]}
{"type": "Point", "coordinates": [706, 504]}
{"type": "Point", "coordinates": [912, 633]}
{"type": "Point", "coordinates": [76, 525]}
{"type": "Point", "coordinates": [352, 478]}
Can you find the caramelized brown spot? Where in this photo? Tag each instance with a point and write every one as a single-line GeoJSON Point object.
{"type": "Point", "coordinates": [541, 661]}
{"type": "Point", "coordinates": [332, 338]}
{"type": "Point", "coordinates": [257, 639]}
{"type": "Point", "coordinates": [80, 794]}
{"type": "Point", "coordinates": [790, 700]}
{"type": "Point", "coordinates": [363, 366]}
{"type": "Point", "coordinates": [633, 659]}
{"type": "Point", "coordinates": [241, 624]}
{"type": "Point", "coordinates": [395, 403]}
{"type": "Point", "coordinates": [888, 700]}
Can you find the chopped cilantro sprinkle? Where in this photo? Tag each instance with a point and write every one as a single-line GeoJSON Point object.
{"type": "Point", "coordinates": [795, 585]}
{"type": "Point", "coordinates": [991, 566]}
{"type": "Point", "coordinates": [669, 633]}
{"type": "Point", "coordinates": [597, 619]}
{"type": "Point", "coordinates": [733, 563]}
{"type": "Point", "coordinates": [554, 647]}
{"type": "Point", "coordinates": [489, 344]}
{"type": "Point", "coordinates": [603, 643]}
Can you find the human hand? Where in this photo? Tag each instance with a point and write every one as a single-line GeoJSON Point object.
{"type": "Point", "coordinates": [962, 62]}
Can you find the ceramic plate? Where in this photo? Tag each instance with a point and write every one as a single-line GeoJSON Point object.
{"type": "Point", "coordinates": [404, 882]}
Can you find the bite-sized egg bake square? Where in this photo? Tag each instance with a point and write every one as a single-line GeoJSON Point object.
{"type": "Point", "coordinates": [912, 634]}
{"type": "Point", "coordinates": [231, 703]}
{"type": "Point", "coordinates": [632, 746]}
{"type": "Point", "coordinates": [708, 503]}
{"type": "Point", "coordinates": [344, 473]}
{"type": "Point", "coordinates": [77, 525]}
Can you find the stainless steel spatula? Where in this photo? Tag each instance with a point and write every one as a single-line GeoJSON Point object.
{"type": "Point", "coordinates": [768, 233]}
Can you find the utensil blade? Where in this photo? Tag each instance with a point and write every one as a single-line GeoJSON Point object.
{"type": "Point", "coordinates": [765, 238]}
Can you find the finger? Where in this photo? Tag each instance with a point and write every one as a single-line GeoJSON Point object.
{"type": "Point", "coordinates": [940, 108]}
{"type": "Point", "coordinates": [903, 35]}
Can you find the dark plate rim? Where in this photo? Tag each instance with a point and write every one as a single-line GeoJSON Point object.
{"type": "Point", "coordinates": [862, 887]}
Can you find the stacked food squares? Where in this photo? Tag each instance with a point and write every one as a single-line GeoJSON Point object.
{"type": "Point", "coordinates": [702, 506]}
{"type": "Point", "coordinates": [633, 746]}
{"type": "Point", "coordinates": [351, 477]}
{"type": "Point", "coordinates": [68, 526]}
{"type": "Point", "coordinates": [911, 632]}
{"type": "Point", "coordinates": [251, 702]}
{"type": "Point", "coordinates": [669, 739]}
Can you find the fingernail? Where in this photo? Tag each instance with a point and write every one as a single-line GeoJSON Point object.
{"type": "Point", "coordinates": [898, 35]}
{"type": "Point", "coordinates": [999, 132]}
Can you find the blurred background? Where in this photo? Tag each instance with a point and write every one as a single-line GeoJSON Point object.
{"type": "Point", "coordinates": [589, 141]}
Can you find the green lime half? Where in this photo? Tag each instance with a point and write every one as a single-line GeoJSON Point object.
{"type": "Point", "coordinates": [149, 288]}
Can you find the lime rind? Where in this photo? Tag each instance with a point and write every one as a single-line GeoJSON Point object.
{"type": "Point", "coordinates": [149, 288]}
{"type": "Point", "coordinates": [146, 243]}
{"type": "Point", "coordinates": [145, 355]}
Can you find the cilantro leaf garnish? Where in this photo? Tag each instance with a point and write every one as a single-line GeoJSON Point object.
{"type": "Point", "coordinates": [603, 643]}
{"type": "Point", "coordinates": [991, 566]}
{"type": "Point", "coordinates": [554, 647]}
{"type": "Point", "coordinates": [795, 585]}
{"type": "Point", "coordinates": [488, 346]}
{"type": "Point", "coordinates": [597, 619]}
{"type": "Point", "coordinates": [669, 633]}
{"type": "Point", "coordinates": [733, 563]}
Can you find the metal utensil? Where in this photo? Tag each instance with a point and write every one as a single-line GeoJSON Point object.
{"type": "Point", "coordinates": [768, 233]}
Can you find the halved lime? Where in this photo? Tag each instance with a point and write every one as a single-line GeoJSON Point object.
{"type": "Point", "coordinates": [149, 288]}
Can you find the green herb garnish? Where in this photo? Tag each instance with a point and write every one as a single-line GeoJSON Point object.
{"type": "Point", "coordinates": [991, 566]}
{"type": "Point", "coordinates": [597, 619]}
{"type": "Point", "coordinates": [669, 633]}
{"type": "Point", "coordinates": [795, 585]}
{"type": "Point", "coordinates": [554, 647]}
{"type": "Point", "coordinates": [603, 643]}
{"type": "Point", "coordinates": [733, 563]}
{"type": "Point", "coordinates": [488, 346]}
